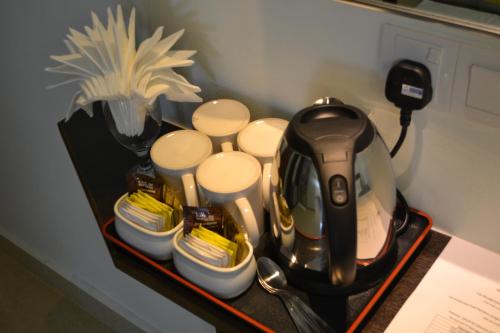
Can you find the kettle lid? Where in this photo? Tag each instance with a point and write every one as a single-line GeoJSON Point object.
{"type": "Point", "coordinates": [315, 128]}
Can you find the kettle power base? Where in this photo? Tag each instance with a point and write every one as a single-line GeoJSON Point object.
{"type": "Point", "coordinates": [347, 313]}
{"type": "Point", "coordinates": [358, 306]}
{"type": "Point", "coordinates": [264, 312]}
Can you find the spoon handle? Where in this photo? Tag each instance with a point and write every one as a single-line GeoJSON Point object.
{"type": "Point", "coordinates": [320, 324]}
{"type": "Point", "coordinates": [298, 316]}
{"type": "Point", "coordinates": [302, 315]}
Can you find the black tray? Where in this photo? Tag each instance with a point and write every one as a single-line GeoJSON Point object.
{"type": "Point", "coordinates": [260, 309]}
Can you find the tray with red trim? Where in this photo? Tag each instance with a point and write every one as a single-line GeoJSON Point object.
{"type": "Point", "coordinates": [265, 312]}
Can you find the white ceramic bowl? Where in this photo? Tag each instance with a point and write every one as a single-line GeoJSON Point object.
{"type": "Point", "coordinates": [157, 245]}
{"type": "Point", "coordinates": [222, 282]}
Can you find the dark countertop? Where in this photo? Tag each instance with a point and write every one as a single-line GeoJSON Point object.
{"type": "Point", "coordinates": [101, 164]}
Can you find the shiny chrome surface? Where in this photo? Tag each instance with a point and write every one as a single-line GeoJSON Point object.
{"type": "Point", "coordinates": [297, 220]}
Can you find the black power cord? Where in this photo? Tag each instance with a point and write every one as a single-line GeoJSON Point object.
{"type": "Point", "coordinates": [409, 87]}
{"type": "Point", "coordinates": [405, 121]}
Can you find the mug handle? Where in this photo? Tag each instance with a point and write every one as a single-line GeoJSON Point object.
{"type": "Point", "coordinates": [266, 184]}
{"type": "Point", "coordinates": [249, 220]}
{"type": "Point", "coordinates": [227, 146]}
{"type": "Point", "coordinates": [190, 189]}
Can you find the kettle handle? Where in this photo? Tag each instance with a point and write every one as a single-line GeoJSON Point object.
{"type": "Point", "coordinates": [336, 173]}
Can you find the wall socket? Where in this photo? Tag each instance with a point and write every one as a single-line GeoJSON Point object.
{"type": "Point", "coordinates": [476, 92]}
{"type": "Point", "coordinates": [438, 54]}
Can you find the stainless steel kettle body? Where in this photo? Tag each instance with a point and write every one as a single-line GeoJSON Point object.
{"type": "Point", "coordinates": [333, 197]}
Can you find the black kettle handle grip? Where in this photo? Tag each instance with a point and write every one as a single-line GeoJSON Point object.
{"type": "Point", "coordinates": [338, 189]}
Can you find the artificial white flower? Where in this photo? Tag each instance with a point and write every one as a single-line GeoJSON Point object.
{"type": "Point", "coordinates": [107, 66]}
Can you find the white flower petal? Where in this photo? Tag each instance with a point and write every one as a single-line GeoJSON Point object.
{"type": "Point", "coordinates": [163, 78]}
{"type": "Point", "coordinates": [181, 54]}
{"type": "Point", "coordinates": [169, 63]}
{"type": "Point", "coordinates": [69, 45]}
{"type": "Point", "coordinates": [148, 44]}
{"type": "Point", "coordinates": [78, 62]}
{"type": "Point", "coordinates": [68, 70]}
{"type": "Point", "coordinates": [156, 90]}
{"type": "Point", "coordinates": [62, 83]}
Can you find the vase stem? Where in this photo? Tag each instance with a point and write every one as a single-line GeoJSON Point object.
{"type": "Point", "coordinates": [145, 165]}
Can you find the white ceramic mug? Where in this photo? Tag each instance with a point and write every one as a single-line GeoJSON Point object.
{"type": "Point", "coordinates": [221, 120]}
{"type": "Point", "coordinates": [261, 138]}
{"type": "Point", "coordinates": [176, 156]}
{"type": "Point", "coordinates": [233, 180]}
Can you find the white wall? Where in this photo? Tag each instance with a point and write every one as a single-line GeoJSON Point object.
{"type": "Point", "coordinates": [277, 56]}
{"type": "Point", "coordinates": [44, 209]}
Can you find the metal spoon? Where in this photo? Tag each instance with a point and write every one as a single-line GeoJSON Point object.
{"type": "Point", "coordinates": [272, 279]}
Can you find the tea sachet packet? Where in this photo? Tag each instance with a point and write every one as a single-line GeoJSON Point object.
{"type": "Point", "coordinates": [205, 251]}
{"type": "Point", "coordinates": [203, 227]}
{"type": "Point", "coordinates": [211, 218]}
{"type": "Point", "coordinates": [153, 186]}
{"type": "Point", "coordinates": [147, 212]}
{"type": "Point", "coordinates": [142, 217]}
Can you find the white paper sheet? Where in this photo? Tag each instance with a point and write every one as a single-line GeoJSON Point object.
{"type": "Point", "coordinates": [459, 294]}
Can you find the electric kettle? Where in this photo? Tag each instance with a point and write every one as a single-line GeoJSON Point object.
{"type": "Point", "coordinates": [333, 200]}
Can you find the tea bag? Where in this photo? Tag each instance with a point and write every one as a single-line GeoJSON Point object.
{"type": "Point", "coordinates": [148, 212]}
{"type": "Point", "coordinates": [142, 217]}
{"type": "Point", "coordinates": [205, 251]}
{"type": "Point", "coordinates": [205, 232]}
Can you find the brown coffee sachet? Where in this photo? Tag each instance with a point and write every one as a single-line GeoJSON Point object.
{"type": "Point", "coordinates": [152, 186]}
{"type": "Point", "coordinates": [211, 218]}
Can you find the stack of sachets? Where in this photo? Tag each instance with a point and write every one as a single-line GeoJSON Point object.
{"type": "Point", "coordinates": [203, 237]}
{"type": "Point", "coordinates": [150, 204]}
{"type": "Point", "coordinates": [146, 211]}
{"type": "Point", "coordinates": [210, 247]}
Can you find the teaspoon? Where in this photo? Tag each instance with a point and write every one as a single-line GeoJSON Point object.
{"type": "Point", "coordinates": [272, 279]}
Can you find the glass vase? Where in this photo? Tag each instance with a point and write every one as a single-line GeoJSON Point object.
{"type": "Point", "coordinates": [135, 125]}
